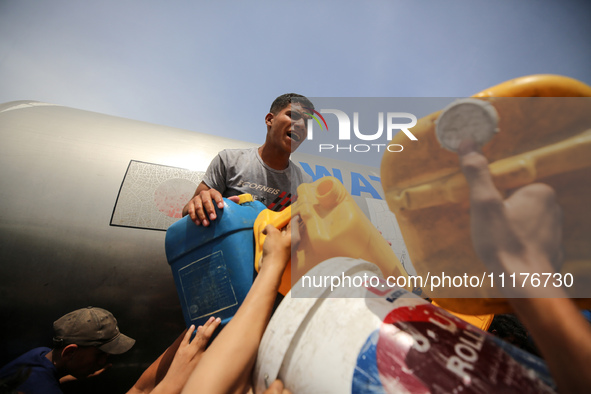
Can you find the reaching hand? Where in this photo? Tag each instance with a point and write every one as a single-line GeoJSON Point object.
{"type": "Point", "coordinates": [187, 357]}
{"type": "Point", "coordinates": [522, 233]}
{"type": "Point", "coordinates": [277, 388]}
{"type": "Point", "coordinates": [278, 244]}
{"type": "Point", "coordinates": [70, 378]}
{"type": "Point", "coordinates": [201, 208]}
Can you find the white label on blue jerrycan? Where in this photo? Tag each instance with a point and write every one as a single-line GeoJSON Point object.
{"type": "Point", "coordinates": [213, 266]}
{"type": "Point", "coordinates": [382, 339]}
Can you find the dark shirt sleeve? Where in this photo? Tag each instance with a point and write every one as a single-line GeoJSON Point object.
{"type": "Point", "coordinates": [42, 375]}
{"type": "Point", "coordinates": [41, 382]}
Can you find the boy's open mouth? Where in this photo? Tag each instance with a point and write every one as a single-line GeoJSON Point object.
{"type": "Point", "coordinates": [294, 136]}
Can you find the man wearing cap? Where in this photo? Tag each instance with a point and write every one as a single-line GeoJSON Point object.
{"type": "Point", "coordinates": [82, 342]}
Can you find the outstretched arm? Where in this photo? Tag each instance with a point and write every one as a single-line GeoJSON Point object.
{"type": "Point", "coordinates": [227, 364]}
{"type": "Point", "coordinates": [171, 370]}
{"type": "Point", "coordinates": [523, 233]}
{"type": "Point", "coordinates": [156, 371]}
{"type": "Point", "coordinates": [70, 378]}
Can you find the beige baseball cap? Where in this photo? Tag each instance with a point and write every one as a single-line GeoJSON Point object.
{"type": "Point", "coordinates": [91, 327]}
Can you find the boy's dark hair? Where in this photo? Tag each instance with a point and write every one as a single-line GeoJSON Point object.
{"type": "Point", "coordinates": [285, 99]}
{"type": "Point", "coordinates": [510, 329]}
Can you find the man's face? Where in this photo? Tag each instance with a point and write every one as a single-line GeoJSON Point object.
{"type": "Point", "coordinates": [86, 360]}
{"type": "Point", "coordinates": [288, 128]}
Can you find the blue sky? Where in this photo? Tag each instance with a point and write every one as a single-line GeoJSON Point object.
{"type": "Point", "coordinates": [215, 67]}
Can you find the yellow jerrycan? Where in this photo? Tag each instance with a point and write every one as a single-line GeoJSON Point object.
{"type": "Point", "coordinates": [544, 124]}
{"type": "Point", "coordinates": [332, 225]}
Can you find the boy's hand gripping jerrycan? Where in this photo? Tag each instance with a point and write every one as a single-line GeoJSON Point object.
{"type": "Point", "coordinates": [213, 266]}
{"type": "Point", "coordinates": [544, 124]}
{"type": "Point", "coordinates": [331, 225]}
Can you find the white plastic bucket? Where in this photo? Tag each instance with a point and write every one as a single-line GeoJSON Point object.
{"type": "Point", "coordinates": [386, 340]}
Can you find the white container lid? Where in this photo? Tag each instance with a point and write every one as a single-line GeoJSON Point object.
{"type": "Point", "coordinates": [466, 118]}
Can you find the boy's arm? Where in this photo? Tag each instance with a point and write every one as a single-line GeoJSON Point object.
{"type": "Point", "coordinates": [171, 370]}
{"type": "Point", "coordinates": [156, 371]}
{"type": "Point", "coordinates": [227, 364]}
{"type": "Point", "coordinates": [187, 357]}
{"type": "Point", "coordinates": [523, 234]}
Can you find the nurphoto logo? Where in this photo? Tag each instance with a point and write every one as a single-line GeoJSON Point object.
{"type": "Point", "coordinates": [394, 121]}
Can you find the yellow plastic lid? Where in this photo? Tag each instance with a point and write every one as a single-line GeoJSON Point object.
{"type": "Point", "coordinates": [246, 197]}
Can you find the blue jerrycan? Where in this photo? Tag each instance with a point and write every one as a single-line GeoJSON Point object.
{"type": "Point", "coordinates": [213, 266]}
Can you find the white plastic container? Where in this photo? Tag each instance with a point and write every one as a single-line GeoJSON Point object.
{"type": "Point", "coordinates": [384, 340]}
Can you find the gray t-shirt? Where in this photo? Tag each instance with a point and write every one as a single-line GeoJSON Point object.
{"type": "Point", "coordinates": [238, 171]}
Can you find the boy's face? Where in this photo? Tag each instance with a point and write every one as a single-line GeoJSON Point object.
{"type": "Point", "coordinates": [83, 361]}
{"type": "Point", "coordinates": [288, 128]}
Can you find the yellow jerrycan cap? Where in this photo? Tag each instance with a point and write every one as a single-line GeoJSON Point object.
{"type": "Point", "coordinates": [246, 197]}
{"type": "Point", "coordinates": [466, 118]}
